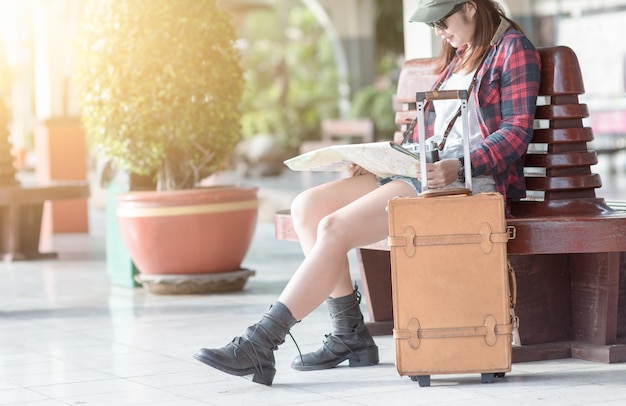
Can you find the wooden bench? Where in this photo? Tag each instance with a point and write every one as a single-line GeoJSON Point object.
{"type": "Point", "coordinates": [338, 130]}
{"type": "Point", "coordinates": [569, 250]}
{"type": "Point", "coordinates": [21, 207]}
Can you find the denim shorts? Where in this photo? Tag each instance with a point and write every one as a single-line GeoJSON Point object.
{"type": "Point", "coordinates": [480, 184]}
{"type": "Point", "coordinates": [413, 182]}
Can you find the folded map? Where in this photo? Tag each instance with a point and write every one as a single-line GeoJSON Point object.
{"type": "Point", "coordinates": [382, 158]}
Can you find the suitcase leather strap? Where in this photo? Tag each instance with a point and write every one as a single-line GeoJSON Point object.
{"type": "Point", "coordinates": [490, 330]}
{"type": "Point", "coordinates": [485, 238]}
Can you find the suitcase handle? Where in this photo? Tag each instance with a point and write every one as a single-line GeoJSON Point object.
{"type": "Point", "coordinates": [420, 98]}
{"type": "Point", "coordinates": [451, 191]}
{"type": "Point", "coordinates": [441, 95]}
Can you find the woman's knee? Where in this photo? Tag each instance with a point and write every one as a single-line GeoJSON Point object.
{"type": "Point", "coordinates": [304, 211]}
{"type": "Point", "coordinates": [332, 230]}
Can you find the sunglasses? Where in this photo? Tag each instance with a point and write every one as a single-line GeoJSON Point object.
{"type": "Point", "coordinates": [441, 24]}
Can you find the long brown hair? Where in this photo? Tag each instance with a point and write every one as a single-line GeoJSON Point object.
{"type": "Point", "coordinates": [487, 17]}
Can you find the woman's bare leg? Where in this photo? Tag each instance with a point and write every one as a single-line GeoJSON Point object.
{"type": "Point", "coordinates": [312, 205]}
{"type": "Point", "coordinates": [359, 218]}
{"type": "Point", "coordinates": [340, 226]}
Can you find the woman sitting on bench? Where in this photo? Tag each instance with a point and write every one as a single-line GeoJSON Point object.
{"type": "Point", "coordinates": [483, 51]}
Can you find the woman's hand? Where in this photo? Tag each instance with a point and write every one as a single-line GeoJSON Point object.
{"type": "Point", "coordinates": [356, 170]}
{"type": "Point", "coordinates": [441, 173]}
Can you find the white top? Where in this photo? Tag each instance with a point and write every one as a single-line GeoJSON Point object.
{"type": "Point", "coordinates": [445, 111]}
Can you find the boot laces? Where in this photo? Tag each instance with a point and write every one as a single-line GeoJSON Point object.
{"type": "Point", "coordinates": [342, 315]}
{"type": "Point", "coordinates": [331, 340]}
{"type": "Point", "coordinates": [297, 347]}
{"type": "Point", "coordinates": [286, 327]}
{"type": "Point", "coordinates": [255, 358]}
{"type": "Point", "coordinates": [335, 338]}
{"type": "Point", "coordinates": [272, 338]}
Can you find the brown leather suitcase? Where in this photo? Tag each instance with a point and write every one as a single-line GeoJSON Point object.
{"type": "Point", "coordinates": [452, 306]}
{"type": "Point", "coordinates": [450, 282]}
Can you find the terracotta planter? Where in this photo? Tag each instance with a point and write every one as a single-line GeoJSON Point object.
{"type": "Point", "coordinates": [188, 232]}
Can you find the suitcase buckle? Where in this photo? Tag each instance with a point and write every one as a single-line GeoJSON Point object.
{"type": "Point", "coordinates": [511, 231]}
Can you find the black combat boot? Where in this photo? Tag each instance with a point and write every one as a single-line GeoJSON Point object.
{"type": "Point", "coordinates": [253, 352]}
{"type": "Point", "coordinates": [350, 339]}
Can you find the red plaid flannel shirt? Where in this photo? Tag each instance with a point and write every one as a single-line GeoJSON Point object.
{"type": "Point", "coordinates": [506, 94]}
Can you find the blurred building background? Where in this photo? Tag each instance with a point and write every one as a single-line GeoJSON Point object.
{"type": "Point", "coordinates": [344, 48]}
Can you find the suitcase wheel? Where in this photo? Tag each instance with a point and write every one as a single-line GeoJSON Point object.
{"type": "Point", "coordinates": [500, 374]}
{"type": "Point", "coordinates": [487, 378]}
{"type": "Point", "coordinates": [422, 380]}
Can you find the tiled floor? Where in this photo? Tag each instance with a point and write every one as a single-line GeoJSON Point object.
{"type": "Point", "coordinates": [67, 337]}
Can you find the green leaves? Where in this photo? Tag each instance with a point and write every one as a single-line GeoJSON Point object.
{"type": "Point", "coordinates": [290, 73]}
{"type": "Point", "coordinates": [160, 84]}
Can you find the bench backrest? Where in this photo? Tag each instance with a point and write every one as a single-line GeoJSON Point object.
{"type": "Point", "coordinates": [558, 163]}
{"type": "Point", "coordinates": [348, 130]}
{"type": "Point", "coordinates": [417, 75]}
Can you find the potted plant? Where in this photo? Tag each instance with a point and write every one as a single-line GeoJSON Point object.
{"type": "Point", "coordinates": [160, 86]}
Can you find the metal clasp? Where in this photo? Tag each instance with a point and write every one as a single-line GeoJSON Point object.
{"type": "Point", "coordinates": [512, 232]}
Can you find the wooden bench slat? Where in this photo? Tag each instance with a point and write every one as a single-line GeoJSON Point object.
{"type": "Point", "coordinates": [543, 160]}
{"type": "Point", "coordinates": [405, 117]}
{"type": "Point", "coordinates": [562, 135]}
{"type": "Point", "coordinates": [562, 111]}
{"type": "Point", "coordinates": [38, 194]}
{"type": "Point", "coordinates": [563, 183]}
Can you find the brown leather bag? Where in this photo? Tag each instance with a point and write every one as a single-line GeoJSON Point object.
{"type": "Point", "coordinates": [452, 302]}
